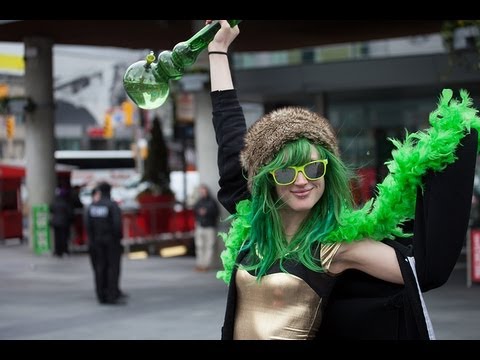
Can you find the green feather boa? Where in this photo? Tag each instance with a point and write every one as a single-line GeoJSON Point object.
{"type": "Point", "coordinates": [381, 217]}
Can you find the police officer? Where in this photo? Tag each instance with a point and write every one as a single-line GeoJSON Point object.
{"type": "Point", "coordinates": [103, 220]}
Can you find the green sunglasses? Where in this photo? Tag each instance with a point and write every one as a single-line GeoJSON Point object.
{"type": "Point", "coordinates": [312, 170]}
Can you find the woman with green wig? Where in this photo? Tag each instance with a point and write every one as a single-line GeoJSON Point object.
{"type": "Point", "coordinates": [295, 231]}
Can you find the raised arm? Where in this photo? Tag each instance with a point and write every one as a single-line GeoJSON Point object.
{"type": "Point", "coordinates": [442, 214]}
{"type": "Point", "coordinates": [421, 152]}
{"type": "Point", "coordinates": [228, 120]}
{"type": "Point", "coordinates": [220, 74]}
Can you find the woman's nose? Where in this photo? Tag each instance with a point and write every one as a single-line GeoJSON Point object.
{"type": "Point", "coordinates": [301, 179]}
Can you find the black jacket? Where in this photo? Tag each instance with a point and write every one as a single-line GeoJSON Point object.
{"type": "Point", "coordinates": [361, 306]}
{"type": "Point", "coordinates": [209, 219]}
{"type": "Point", "coordinates": [103, 222]}
{"type": "Point", "coordinates": [61, 212]}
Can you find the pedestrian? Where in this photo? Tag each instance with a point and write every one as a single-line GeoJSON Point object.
{"type": "Point", "coordinates": [78, 227]}
{"type": "Point", "coordinates": [206, 218]}
{"type": "Point", "coordinates": [300, 261]}
{"type": "Point", "coordinates": [103, 222]}
{"type": "Point", "coordinates": [61, 218]}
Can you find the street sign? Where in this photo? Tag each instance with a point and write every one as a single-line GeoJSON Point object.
{"type": "Point", "coordinates": [41, 229]}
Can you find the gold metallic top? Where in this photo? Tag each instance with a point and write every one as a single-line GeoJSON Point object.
{"type": "Point", "coordinates": [282, 305]}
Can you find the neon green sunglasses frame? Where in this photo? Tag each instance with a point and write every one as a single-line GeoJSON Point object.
{"type": "Point", "coordinates": [301, 169]}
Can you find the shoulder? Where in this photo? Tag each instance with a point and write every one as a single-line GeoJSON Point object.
{"type": "Point", "coordinates": [328, 253]}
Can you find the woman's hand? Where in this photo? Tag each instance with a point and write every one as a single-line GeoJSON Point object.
{"type": "Point", "coordinates": [220, 75]}
{"type": "Point", "coordinates": [224, 37]}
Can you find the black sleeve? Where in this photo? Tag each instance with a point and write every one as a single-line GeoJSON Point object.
{"type": "Point", "coordinates": [230, 128]}
{"type": "Point", "coordinates": [117, 223]}
{"type": "Point", "coordinates": [88, 223]}
{"type": "Point", "coordinates": [442, 214]}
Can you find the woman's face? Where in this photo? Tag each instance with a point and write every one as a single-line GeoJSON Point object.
{"type": "Point", "coordinates": [302, 194]}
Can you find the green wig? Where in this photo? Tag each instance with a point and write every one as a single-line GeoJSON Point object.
{"type": "Point", "coordinates": [267, 239]}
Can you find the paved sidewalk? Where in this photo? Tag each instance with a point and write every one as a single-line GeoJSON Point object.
{"type": "Point", "coordinates": [454, 308]}
{"type": "Point", "coordinates": [42, 297]}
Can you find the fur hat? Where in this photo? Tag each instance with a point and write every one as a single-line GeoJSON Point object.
{"type": "Point", "coordinates": [267, 136]}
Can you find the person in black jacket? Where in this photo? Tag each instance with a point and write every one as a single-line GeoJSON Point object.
{"type": "Point", "coordinates": [360, 306]}
{"type": "Point", "coordinates": [206, 218]}
{"type": "Point", "coordinates": [61, 218]}
{"type": "Point", "coordinates": [103, 222]}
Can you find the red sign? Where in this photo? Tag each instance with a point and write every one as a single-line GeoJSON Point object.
{"type": "Point", "coordinates": [475, 254]}
{"type": "Point", "coordinates": [95, 132]}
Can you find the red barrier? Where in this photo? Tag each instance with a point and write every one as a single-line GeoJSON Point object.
{"type": "Point", "coordinates": [475, 255]}
{"type": "Point", "coordinates": [149, 220]}
{"type": "Point", "coordinates": [11, 217]}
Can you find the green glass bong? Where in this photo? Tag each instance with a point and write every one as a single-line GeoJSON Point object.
{"type": "Point", "coordinates": [147, 82]}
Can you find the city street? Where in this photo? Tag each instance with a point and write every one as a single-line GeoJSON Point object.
{"type": "Point", "coordinates": [45, 298]}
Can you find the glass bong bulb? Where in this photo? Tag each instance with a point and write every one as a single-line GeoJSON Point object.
{"type": "Point", "coordinates": [147, 82]}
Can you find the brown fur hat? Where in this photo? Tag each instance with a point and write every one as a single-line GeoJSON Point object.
{"type": "Point", "coordinates": [267, 136]}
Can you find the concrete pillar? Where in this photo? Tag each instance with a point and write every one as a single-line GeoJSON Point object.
{"type": "Point", "coordinates": [39, 126]}
{"type": "Point", "coordinates": [205, 142]}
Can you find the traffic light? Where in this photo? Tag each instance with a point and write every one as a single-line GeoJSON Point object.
{"type": "Point", "coordinates": [127, 108]}
{"type": "Point", "coordinates": [10, 125]}
{"type": "Point", "coordinates": [108, 126]}
{"type": "Point", "coordinates": [4, 91]}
